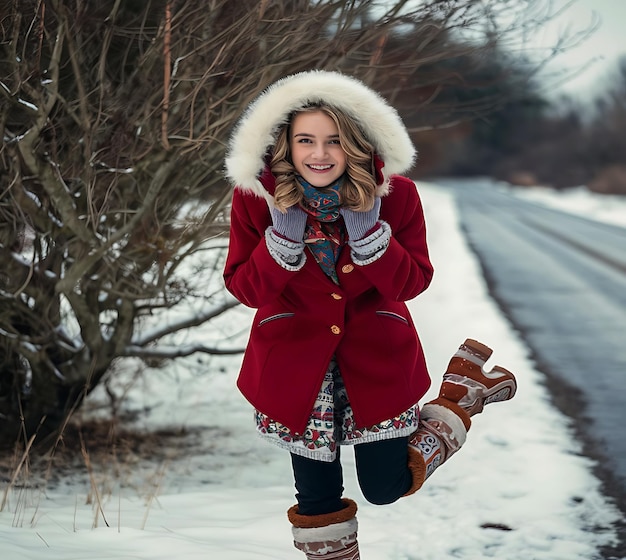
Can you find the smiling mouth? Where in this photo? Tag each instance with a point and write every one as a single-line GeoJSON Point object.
{"type": "Point", "coordinates": [319, 167]}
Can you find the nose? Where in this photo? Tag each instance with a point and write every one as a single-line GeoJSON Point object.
{"type": "Point", "coordinates": [319, 150]}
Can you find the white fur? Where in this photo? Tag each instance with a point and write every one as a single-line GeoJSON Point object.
{"type": "Point", "coordinates": [332, 532]}
{"type": "Point", "coordinates": [443, 414]}
{"type": "Point", "coordinates": [256, 130]}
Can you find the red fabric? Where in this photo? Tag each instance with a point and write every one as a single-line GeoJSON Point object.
{"type": "Point", "coordinates": [266, 178]}
{"type": "Point", "coordinates": [379, 164]}
{"type": "Point", "coordinates": [301, 322]}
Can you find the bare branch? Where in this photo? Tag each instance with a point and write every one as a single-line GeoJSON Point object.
{"type": "Point", "coordinates": [172, 352]}
{"type": "Point", "coordinates": [167, 61]}
{"type": "Point", "coordinates": [186, 323]}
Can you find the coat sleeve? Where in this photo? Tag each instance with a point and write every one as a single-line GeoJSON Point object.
{"type": "Point", "coordinates": [404, 270]}
{"type": "Point", "coordinates": [251, 274]}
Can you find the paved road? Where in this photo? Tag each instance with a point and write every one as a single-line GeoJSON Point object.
{"type": "Point", "coordinates": [561, 280]}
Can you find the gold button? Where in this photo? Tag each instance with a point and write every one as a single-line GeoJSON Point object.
{"type": "Point", "coordinates": [335, 329]}
{"type": "Point", "coordinates": [347, 268]}
{"type": "Point", "coordinates": [336, 296]}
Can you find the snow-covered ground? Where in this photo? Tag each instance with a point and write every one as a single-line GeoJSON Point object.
{"type": "Point", "coordinates": [609, 208]}
{"type": "Point", "coordinates": [519, 489]}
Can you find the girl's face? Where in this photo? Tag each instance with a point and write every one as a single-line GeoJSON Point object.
{"type": "Point", "coordinates": [315, 149]}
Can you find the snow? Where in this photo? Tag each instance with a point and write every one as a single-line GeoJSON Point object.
{"type": "Point", "coordinates": [609, 208]}
{"type": "Point", "coordinates": [521, 468]}
{"type": "Point", "coordinates": [27, 104]}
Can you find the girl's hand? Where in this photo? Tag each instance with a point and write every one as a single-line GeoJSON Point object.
{"type": "Point", "coordinates": [359, 223]}
{"type": "Point", "coordinates": [291, 224]}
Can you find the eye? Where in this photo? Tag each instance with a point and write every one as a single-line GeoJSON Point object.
{"type": "Point", "coordinates": [304, 141]}
{"type": "Point", "coordinates": [336, 141]}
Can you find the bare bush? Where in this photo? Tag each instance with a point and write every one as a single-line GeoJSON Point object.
{"type": "Point", "coordinates": [114, 119]}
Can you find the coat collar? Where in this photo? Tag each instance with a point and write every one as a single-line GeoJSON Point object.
{"type": "Point", "coordinates": [255, 133]}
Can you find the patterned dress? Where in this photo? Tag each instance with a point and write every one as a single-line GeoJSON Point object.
{"type": "Point", "coordinates": [331, 422]}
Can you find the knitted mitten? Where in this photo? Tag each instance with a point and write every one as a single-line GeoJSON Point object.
{"type": "Point", "coordinates": [359, 223]}
{"type": "Point", "coordinates": [290, 224]}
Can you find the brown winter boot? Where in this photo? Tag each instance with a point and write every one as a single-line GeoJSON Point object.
{"type": "Point", "coordinates": [469, 385]}
{"type": "Point", "coordinates": [441, 432]}
{"type": "Point", "coordinates": [331, 536]}
{"type": "Point", "coordinates": [444, 422]}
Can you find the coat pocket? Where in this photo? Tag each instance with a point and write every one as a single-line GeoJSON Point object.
{"type": "Point", "coordinates": [274, 318]}
{"type": "Point", "coordinates": [392, 315]}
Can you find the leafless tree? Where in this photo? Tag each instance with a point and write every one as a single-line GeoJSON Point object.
{"type": "Point", "coordinates": [606, 136]}
{"type": "Point", "coordinates": [114, 117]}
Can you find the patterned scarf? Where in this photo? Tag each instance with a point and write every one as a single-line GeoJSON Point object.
{"type": "Point", "coordinates": [324, 234]}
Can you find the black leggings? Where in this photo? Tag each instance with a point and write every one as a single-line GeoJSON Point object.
{"type": "Point", "coordinates": [381, 468]}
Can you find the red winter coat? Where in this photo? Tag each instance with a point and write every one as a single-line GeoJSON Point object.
{"type": "Point", "coordinates": [303, 318]}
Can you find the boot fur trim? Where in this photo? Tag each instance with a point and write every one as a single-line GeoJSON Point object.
{"type": "Point", "coordinates": [324, 519]}
{"type": "Point", "coordinates": [418, 470]}
{"type": "Point", "coordinates": [459, 412]}
{"type": "Point", "coordinates": [334, 532]}
{"type": "Point", "coordinates": [449, 417]}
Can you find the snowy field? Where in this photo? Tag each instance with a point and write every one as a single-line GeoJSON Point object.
{"type": "Point", "coordinates": [518, 490]}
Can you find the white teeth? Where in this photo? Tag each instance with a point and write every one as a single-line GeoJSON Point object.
{"type": "Point", "coordinates": [320, 167]}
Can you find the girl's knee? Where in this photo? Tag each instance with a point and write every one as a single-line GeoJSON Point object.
{"type": "Point", "coordinates": [382, 470]}
{"type": "Point", "coordinates": [380, 496]}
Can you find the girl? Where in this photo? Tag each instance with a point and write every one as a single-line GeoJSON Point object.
{"type": "Point", "coordinates": [327, 242]}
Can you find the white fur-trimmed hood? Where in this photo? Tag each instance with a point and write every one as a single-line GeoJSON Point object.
{"type": "Point", "coordinates": [256, 131]}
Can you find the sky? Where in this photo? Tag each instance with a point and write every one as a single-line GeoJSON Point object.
{"type": "Point", "coordinates": [597, 55]}
{"type": "Point", "coordinates": [226, 498]}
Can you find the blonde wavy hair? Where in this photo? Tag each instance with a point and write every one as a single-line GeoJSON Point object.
{"type": "Point", "coordinates": [358, 188]}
